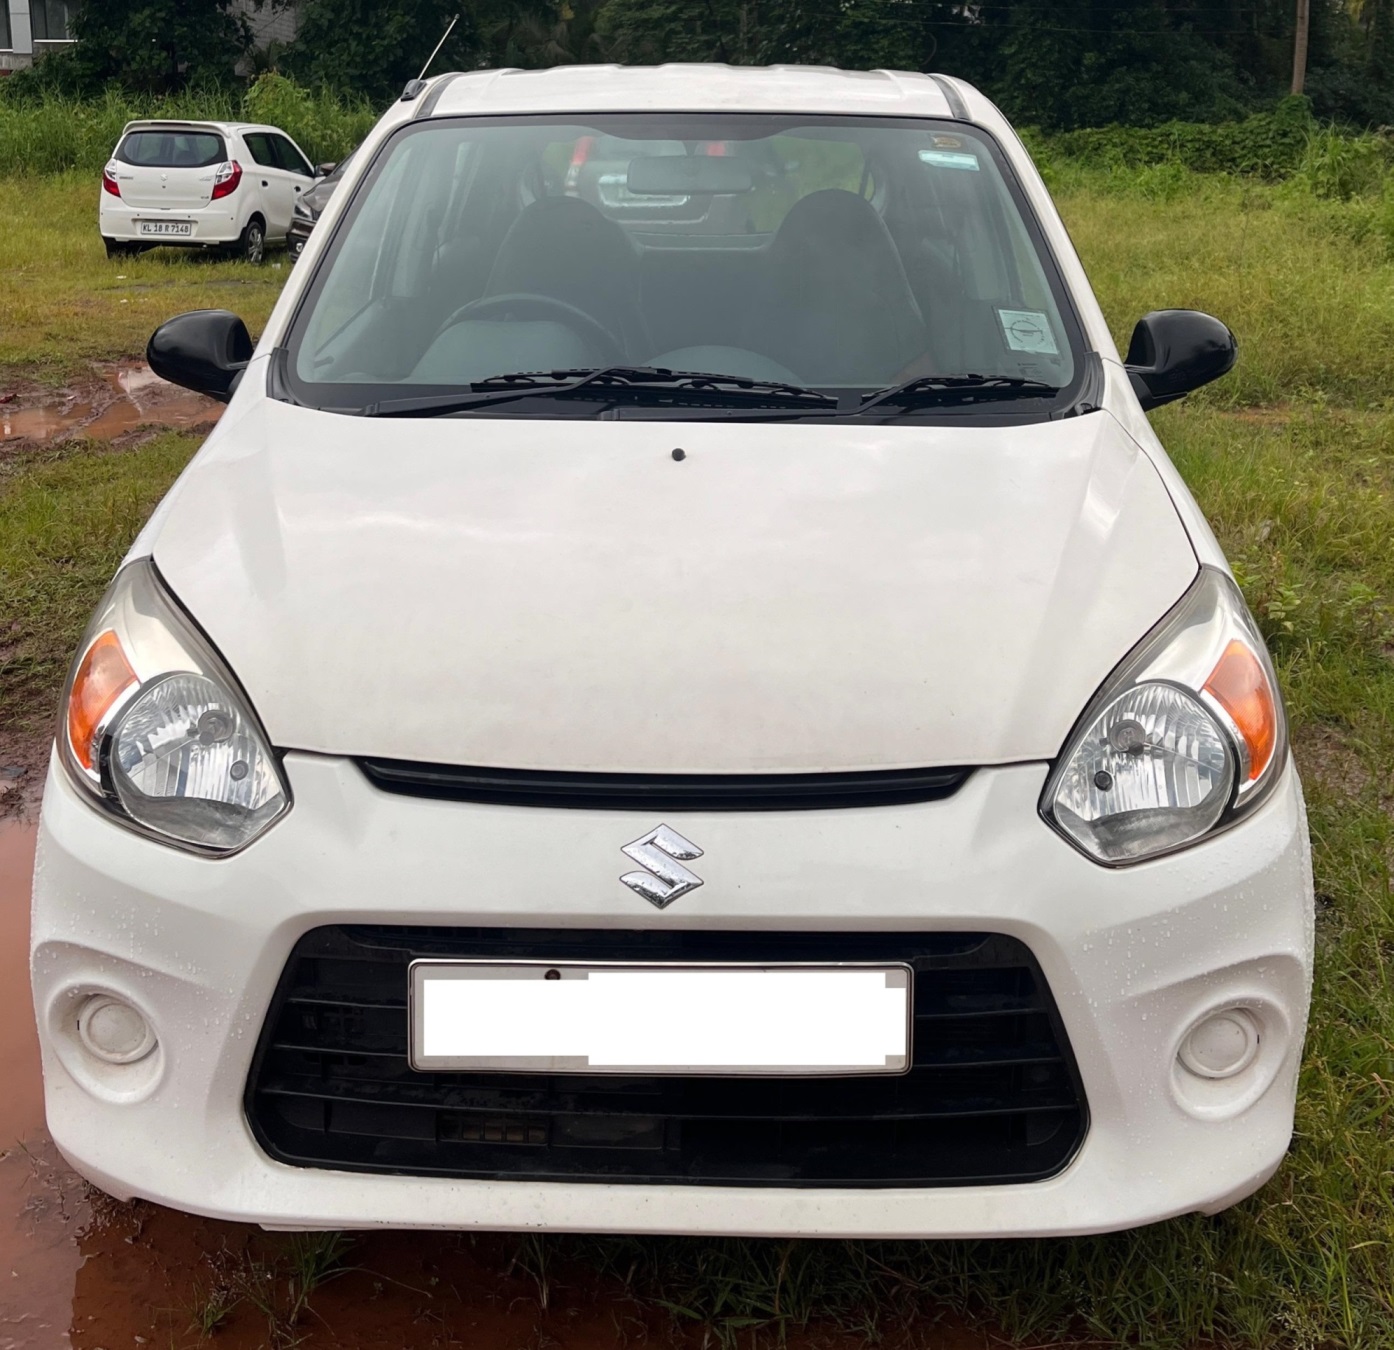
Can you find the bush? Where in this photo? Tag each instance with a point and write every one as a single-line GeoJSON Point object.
{"type": "Point", "coordinates": [53, 133]}
{"type": "Point", "coordinates": [1337, 167]}
{"type": "Point", "coordinates": [322, 124]}
{"type": "Point", "coordinates": [46, 132]}
{"type": "Point", "coordinates": [1268, 145]}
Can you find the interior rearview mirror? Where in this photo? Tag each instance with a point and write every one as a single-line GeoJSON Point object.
{"type": "Point", "coordinates": [679, 175]}
{"type": "Point", "coordinates": [1176, 350]}
{"type": "Point", "coordinates": [205, 350]}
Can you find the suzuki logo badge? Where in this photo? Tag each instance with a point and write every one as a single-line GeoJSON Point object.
{"type": "Point", "coordinates": [663, 851]}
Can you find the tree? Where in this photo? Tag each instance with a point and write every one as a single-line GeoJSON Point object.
{"type": "Point", "coordinates": [1299, 46]}
{"type": "Point", "coordinates": [374, 47]}
{"type": "Point", "coordinates": [1070, 63]}
{"type": "Point", "coordinates": [156, 46]}
{"type": "Point", "coordinates": [1053, 63]}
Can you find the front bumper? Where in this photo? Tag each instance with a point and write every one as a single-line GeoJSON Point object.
{"type": "Point", "coordinates": [1132, 957]}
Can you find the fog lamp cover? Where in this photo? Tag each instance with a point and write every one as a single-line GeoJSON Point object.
{"type": "Point", "coordinates": [114, 1030]}
{"type": "Point", "coordinates": [1221, 1045]}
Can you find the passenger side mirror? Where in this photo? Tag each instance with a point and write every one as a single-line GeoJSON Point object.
{"type": "Point", "coordinates": [205, 350]}
{"type": "Point", "coordinates": [1176, 350]}
{"type": "Point", "coordinates": [324, 170]}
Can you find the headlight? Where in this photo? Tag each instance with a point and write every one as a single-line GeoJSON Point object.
{"type": "Point", "coordinates": [303, 212]}
{"type": "Point", "coordinates": [156, 730]}
{"type": "Point", "coordinates": [1183, 739]}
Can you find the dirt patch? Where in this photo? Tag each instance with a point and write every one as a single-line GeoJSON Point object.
{"type": "Point", "coordinates": [116, 402]}
{"type": "Point", "coordinates": [1327, 760]}
{"type": "Point", "coordinates": [23, 765]}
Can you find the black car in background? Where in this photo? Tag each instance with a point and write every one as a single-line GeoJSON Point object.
{"type": "Point", "coordinates": [311, 204]}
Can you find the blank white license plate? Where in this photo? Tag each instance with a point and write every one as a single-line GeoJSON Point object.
{"type": "Point", "coordinates": [167, 227]}
{"type": "Point", "coordinates": [539, 1017]}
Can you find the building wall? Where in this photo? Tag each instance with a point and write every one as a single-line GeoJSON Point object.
{"type": "Point", "coordinates": [24, 47]}
{"type": "Point", "coordinates": [20, 52]}
{"type": "Point", "coordinates": [269, 25]}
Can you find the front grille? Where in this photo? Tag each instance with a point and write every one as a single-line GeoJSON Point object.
{"type": "Point", "coordinates": [664, 791]}
{"type": "Point", "coordinates": [993, 1094]}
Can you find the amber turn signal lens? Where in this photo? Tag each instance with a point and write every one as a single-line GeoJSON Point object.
{"type": "Point", "coordinates": [1239, 684]}
{"type": "Point", "coordinates": [101, 679]}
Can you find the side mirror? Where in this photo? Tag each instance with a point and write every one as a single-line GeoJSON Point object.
{"type": "Point", "coordinates": [205, 350]}
{"type": "Point", "coordinates": [324, 170]}
{"type": "Point", "coordinates": [1176, 350]}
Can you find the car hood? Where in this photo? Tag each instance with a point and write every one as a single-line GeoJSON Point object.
{"type": "Point", "coordinates": [317, 197]}
{"type": "Point", "coordinates": [565, 594]}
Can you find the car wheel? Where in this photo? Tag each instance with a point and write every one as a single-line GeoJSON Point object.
{"type": "Point", "coordinates": [117, 249]}
{"type": "Point", "coordinates": [251, 247]}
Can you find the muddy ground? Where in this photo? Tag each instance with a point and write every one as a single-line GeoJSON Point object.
{"type": "Point", "coordinates": [116, 402]}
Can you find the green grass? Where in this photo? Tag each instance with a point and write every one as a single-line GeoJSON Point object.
{"type": "Point", "coordinates": [1304, 282]}
{"type": "Point", "coordinates": [1293, 461]}
{"type": "Point", "coordinates": [64, 304]}
{"type": "Point", "coordinates": [67, 516]}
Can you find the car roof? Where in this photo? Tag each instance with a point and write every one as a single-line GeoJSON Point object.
{"type": "Point", "coordinates": [696, 88]}
{"type": "Point", "coordinates": [185, 124]}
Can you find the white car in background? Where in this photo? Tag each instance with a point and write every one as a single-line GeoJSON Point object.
{"type": "Point", "coordinates": [736, 730]}
{"type": "Point", "coordinates": [232, 186]}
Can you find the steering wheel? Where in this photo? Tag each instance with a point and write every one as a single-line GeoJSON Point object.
{"type": "Point", "coordinates": [524, 304]}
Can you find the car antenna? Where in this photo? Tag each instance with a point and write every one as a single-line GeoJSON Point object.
{"type": "Point", "coordinates": [439, 45]}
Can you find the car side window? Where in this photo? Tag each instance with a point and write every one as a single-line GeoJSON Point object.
{"type": "Point", "coordinates": [259, 147]}
{"type": "Point", "coordinates": [289, 158]}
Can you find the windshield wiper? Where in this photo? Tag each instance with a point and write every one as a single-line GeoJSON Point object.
{"type": "Point", "coordinates": [947, 389]}
{"type": "Point", "coordinates": [648, 384]}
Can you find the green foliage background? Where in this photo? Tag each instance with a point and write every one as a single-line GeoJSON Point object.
{"type": "Point", "coordinates": [1059, 64]}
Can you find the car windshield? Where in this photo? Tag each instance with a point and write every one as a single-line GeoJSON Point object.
{"type": "Point", "coordinates": [849, 256]}
{"type": "Point", "coordinates": [171, 149]}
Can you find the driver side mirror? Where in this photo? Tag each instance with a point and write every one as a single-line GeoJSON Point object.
{"type": "Point", "coordinates": [1176, 350]}
{"type": "Point", "coordinates": [325, 169]}
{"type": "Point", "coordinates": [205, 350]}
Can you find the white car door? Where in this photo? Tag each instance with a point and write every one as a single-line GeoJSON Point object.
{"type": "Point", "coordinates": [294, 164]}
{"type": "Point", "coordinates": [274, 186]}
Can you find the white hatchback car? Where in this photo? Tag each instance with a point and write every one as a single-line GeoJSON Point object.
{"type": "Point", "coordinates": [225, 185]}
{"type": "Point", "coordinates": [719, 733]}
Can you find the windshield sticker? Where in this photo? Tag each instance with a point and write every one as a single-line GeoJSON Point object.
{"type": "Point", "coordinates": [950, 159]}
{"type": "Point", "coordinates": [1026, 330]}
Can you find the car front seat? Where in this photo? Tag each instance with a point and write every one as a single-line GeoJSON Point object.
{"type": "Point", "coordinates": [834, 303]}
{"type": "Point", "coordinates": [565, 249]}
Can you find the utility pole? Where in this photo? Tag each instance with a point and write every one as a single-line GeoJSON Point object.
{"type": "Point", "coordinates": [1299, 46]}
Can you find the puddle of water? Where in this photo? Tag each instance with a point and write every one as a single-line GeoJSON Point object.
{"type": "Point", "coordinates": [130, 397]}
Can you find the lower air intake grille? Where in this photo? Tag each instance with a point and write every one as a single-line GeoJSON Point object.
{"type": "Point", "coordinates": [993, 1094]}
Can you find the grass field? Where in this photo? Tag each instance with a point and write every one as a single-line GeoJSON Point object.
{"type": "Point", "coordinates": [64, 305]}
{"type": "Point", "coordinates": [1293, 460]}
